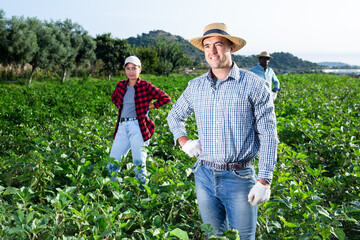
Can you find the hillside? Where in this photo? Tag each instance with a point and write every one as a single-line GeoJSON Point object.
{"type": "Point", "coordinates": [282, 62]}
{"type": "Point", "coordinates": [150, 38]}
{"type": "Point", "coordinates": [333, 64]}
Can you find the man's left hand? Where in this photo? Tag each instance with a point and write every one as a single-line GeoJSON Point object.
{"type": "Point", "coordinates": [260, 193]}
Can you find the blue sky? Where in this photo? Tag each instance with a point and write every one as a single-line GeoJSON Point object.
{"type": "Point", "coordinates": [314, 30]}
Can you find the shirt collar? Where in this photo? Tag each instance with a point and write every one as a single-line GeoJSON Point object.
{"type": "Point", "coordinates": [137, 82]}
{"type": "Point", "coordinates": [261, 67]}
{"type": "Point", "coordinates": [233, 74]}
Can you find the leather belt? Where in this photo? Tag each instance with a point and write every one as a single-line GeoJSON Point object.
{"type": "Point", "coordinates": [127, 119]}
{"type": "Point", "coordinates": [227, 166]}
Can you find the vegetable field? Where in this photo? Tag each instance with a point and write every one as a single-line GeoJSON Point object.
{"type": "Point", "coordinates": [54, 148]}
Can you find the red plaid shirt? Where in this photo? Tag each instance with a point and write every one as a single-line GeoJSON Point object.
{"type": "Point", "coordinates": [145, 92]}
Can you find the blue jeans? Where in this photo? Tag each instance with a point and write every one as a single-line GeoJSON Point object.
{"type": "Point", "coordinates": [129, 137]}
{"type": "Point", "coordinates": [223, 199]}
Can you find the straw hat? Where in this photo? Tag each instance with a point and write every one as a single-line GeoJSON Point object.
{"type": "Point", "coordinates": [264, 54]}
{"type": "Point", "coordinates": [217, 29]}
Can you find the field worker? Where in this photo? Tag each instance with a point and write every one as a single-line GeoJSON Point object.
{"type": "Point", "coordinates": [236, 122]}
{"type": "Point", "coordinates": [266, 72]}
{"type": "Point", "coordinates": [133, 97]}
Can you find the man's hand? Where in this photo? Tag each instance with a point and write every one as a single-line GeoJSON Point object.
{"type": "Point", "coordinates": [192, 148]}
{"type": "Point", "coordinates": [260, 193]}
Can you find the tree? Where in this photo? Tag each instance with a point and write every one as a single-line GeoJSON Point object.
{"type": "Point", "coordinates": [2, 36]}
{"type": "Point", "coordinates": [46, 42]}
{"type": "Point", "coordinates": [18, 44]}
{"type": "Point", "coordinates": [171, 56]}
{"type": "Point", "coordinates": [148, 57]}
{"type": "Point", "coordinates": [75, 48]}
{"type": "Point", "coordinates": [86, 54]}
{"type": "Point", "coordinates": [112, 51]}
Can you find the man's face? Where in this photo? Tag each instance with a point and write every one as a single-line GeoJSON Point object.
{"type": "Point", "coordinates": [264, 61]}
{"type": "Point", "coordinates": [218, 52]}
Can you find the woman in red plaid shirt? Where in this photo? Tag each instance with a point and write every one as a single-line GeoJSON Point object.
{"type": "Point", "coordinates": [133, 97]}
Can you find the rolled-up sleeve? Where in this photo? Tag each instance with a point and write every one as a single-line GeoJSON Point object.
{"type": "Point", "coordinates": [275, 81]}
{"type": "Point", "coordinates": [161, 96]}
{"type": "Point", "coordinates": [266, 131]}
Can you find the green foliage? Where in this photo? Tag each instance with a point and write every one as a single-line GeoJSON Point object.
{"type": "Point", "coordinates": [2, 36]}
{"type": "Point", "coordinates": [54, 147]}
{"type": "Point", "coordinates": [112, 52]}
{"type": "Point", "coordinates": [245, 62]}
{"type": "Point", "coordinates": [76, 46]}
{"type": "Point", "coordinates": [18, 43]}
{"type": "Point", "coordinates": [148, 57]}
{"type": "Point", "coordinates": [285, 62]}
{"type": "Point", "coordinates": [171, 56]}
{"type": "Point", "coordinates": [281, 62]}
{"type": "Point", "coordinates": [316, 192]}
{"type": "Point", "coordinates": [46, 43]}
{"type": "Point", "coordinates": [150, 39]}
{"type": "Point", "coordinates": [49, 46]}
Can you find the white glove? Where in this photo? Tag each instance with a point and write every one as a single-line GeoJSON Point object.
{"type": "Point", "coordinates": [274, 94]}
{"type": "Point", "coordinates": [192, 148]}
{"type": "Point", "coordinates": [259, 194]}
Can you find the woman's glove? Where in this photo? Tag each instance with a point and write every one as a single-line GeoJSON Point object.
{"type": "Point", "coordinates": [259, 194]}
{"type": "Point", "coordinates": [192, 148]}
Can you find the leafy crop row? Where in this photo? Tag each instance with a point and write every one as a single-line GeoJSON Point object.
{"type": "Point", "coordinates": [54, 147]}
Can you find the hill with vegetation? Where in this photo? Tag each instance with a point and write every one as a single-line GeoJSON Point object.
{"type": "Point", "coordinates": [148, 39]}
{"type": "Point", "coordinates": [282, 61]}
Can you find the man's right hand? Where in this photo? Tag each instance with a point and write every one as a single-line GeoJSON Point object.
{"type": "Point", "coordinates": [192, 148]}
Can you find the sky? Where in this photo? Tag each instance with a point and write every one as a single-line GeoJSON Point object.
{"type": "Point", "coordinates": [313, 30]}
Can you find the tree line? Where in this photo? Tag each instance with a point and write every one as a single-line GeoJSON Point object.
{"type": "Point", "coordinates": [64, 46]}
{"type": "Point", "coordinates": [282, 62]}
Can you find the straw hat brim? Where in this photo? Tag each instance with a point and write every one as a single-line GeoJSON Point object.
{"type": "Point", "coordinates": [238, 42]}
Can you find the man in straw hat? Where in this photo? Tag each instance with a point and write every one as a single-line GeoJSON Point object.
{"type": "Point", "coordinates": [236, 122]}
{"type": "Point", "coordinates": [264, 71]}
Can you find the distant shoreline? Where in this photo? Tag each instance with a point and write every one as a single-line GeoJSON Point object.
{"type": "Point", "coordinates": [343, 71]}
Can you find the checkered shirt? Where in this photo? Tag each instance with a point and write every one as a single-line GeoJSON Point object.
{"type": "Point", "coordinates": [235, 121]}
{"type": "Point", "coordinates": [145, 92]}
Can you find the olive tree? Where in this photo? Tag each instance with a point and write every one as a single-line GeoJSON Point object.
{"type": "Point", "coordinates": [43, 57]}
{"type": "Point", "coordinates": [74, 46]}
{"type": "Point", "coordinates": [2, 36]}
{"type": "Point", "coordinates": [18, 43]}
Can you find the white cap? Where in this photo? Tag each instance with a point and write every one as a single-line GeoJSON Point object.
{"type": "Point", "coordinates": [134, 60]}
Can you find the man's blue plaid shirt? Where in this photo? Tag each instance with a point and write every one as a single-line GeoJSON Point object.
{"type": "Point", "coordinates": [235, 120]}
